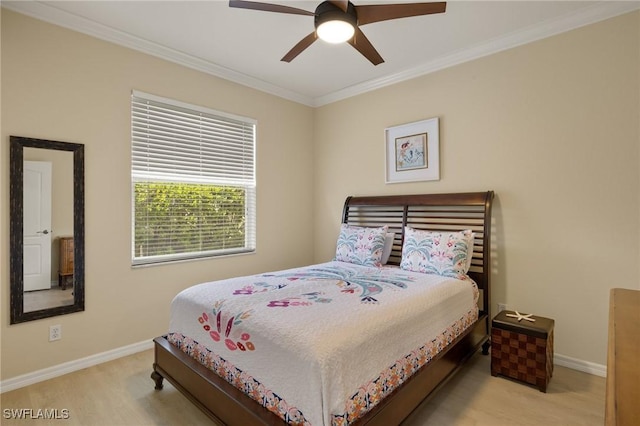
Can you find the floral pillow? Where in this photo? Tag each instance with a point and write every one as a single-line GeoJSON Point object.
{"type": "Point", "coordinates": [359, 245]}
{"type": "Point", "coordinates": [441, 253]}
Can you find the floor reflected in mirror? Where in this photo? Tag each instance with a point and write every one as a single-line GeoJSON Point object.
{"type": "Point", "coordinates": [43, 299]}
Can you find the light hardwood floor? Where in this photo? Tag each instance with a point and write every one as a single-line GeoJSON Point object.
{"type": "Point", "coordinates": [120, 392]}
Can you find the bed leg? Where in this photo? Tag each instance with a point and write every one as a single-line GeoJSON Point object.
{"type": "Point", "coordinates": [157, 378]}
{"type": "Point", "coordinates": [485, 347]}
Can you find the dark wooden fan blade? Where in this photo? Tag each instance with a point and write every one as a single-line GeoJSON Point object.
{"type": "Point", "coordinates": [342, 4]}
{"type": "Point", "coordinates": [298, 48]}
{"type": "Point", "coordinates": [267, 7]}
{"type": "Point", "coordinates": [364, 46]}
{"type": "Point", "coordinates": [384, 12]}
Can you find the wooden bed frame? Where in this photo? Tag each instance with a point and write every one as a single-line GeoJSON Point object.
{"type": "Point", "coordinates": [225, 404]}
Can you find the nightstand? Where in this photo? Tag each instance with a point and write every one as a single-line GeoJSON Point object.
{"type": "Point", "coordinates": [522, 350]}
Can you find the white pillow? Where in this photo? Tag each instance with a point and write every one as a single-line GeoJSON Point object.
{"type": "Point", "coordinates": [388, 246]}
{"type": "Point", "coordinates": [471, 236]}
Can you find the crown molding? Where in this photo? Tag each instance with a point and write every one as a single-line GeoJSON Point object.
{"type": "Point", "coordinates": [53, 15]}
{"type": "Point", "coordinates": [599, 11]}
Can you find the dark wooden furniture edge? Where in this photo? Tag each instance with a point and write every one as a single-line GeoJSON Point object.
{"type": "Point", "coordinates": [226, 405]}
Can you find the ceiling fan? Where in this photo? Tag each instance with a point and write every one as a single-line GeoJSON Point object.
{"type": "Point", "coordinates": [339, 21]}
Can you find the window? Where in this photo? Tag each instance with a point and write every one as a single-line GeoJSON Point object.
{"type": "Point", "coordinates": [193, 181]}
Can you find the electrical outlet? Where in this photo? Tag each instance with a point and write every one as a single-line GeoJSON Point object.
{"type": "Point", "coordinates": [502, 307]}
{"type": "Point", "coordinates": [55, 332]}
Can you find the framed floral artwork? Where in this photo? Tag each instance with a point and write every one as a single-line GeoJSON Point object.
{"type": "Point", "coordinates": [412, 152]}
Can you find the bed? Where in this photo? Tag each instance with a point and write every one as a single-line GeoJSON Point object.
{"type": "Point", "coordinates": [215, 333]}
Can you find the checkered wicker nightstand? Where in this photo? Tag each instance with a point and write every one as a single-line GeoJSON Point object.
{"type": "Point", "coordinates": [522, 350]}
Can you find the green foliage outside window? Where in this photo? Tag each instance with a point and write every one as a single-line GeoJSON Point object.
{"type": "Point", "coordinates": [175, 218]}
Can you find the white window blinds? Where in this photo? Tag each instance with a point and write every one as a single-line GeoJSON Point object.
{"type": "Point", "coordinates": [193, 181]}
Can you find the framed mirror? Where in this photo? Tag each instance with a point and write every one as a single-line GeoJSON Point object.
{"type": "Point", "coordinates": [46, 202]}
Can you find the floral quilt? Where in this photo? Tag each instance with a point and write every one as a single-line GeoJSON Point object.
{"type": "Point", "coordinates": [323, 344]}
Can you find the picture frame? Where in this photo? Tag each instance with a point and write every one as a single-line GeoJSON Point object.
{"type": "Point", "coordinates": [413, 152]}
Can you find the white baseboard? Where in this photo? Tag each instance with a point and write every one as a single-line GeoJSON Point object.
{"type": "Point", "coordinates": [71, 366]}
{"type": "Point", "coordinates": [580, 365]}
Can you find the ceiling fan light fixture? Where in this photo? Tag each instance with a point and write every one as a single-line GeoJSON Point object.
{"type": "Point", "coordinates": [333, 24]}
{"type": "Point", "coordinates": [336, 31]}
{"type": "Point", "coordinates": [338, 21]}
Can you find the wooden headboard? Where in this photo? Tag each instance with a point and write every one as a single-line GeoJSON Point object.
{"type": "Point", "coordinates": [433, 212]}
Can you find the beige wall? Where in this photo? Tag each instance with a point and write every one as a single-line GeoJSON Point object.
{"type": "Point", "coordinates": [553, 128]}
{"type": "Point", "coordinates": [61, 85]}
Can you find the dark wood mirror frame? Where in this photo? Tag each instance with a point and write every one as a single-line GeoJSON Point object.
{"type": "Point", "coordinates": [16, 263]}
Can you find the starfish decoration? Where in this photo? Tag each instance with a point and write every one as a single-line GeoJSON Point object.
{"type": "Point", "coordinates": [522, 316]}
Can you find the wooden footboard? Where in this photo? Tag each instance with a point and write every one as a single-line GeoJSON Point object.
{"type": "Point", "coordinates": [221, 401]}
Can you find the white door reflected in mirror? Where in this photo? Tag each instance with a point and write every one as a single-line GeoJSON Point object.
{"type": "Point", "coordinates": [37, 225]}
